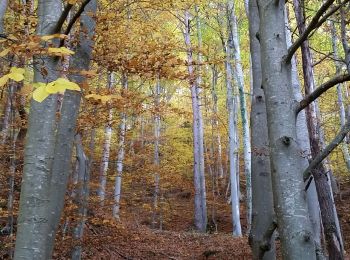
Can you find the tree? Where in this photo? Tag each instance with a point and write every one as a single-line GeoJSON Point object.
{"type": "Point", "coordinates": [33, 210]}
{"type": "Point", "coordinates": [289, 200]}
{"type": "Point", "coordinates": [198, 141]}
{"type": "Point", "coordinates": [263, 246]}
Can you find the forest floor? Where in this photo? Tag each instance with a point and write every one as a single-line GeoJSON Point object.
{"type": "Point", "coordinates": [132, 237]}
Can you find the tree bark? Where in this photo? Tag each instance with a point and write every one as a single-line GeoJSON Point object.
{"type": "Point", "coordinates": [106, 146]}
{"type": "Point", "coordinates": [82, 197]}
{"type": "Point", "coordinates": [61, 167]}
{"type": "Point", "coordinates": [320, 172]}
{"type": "Point", "coordinates": [200, 210]}
{"type": "Point", "coordinates": [120, 155]}
{"type": "Point", "coordinates": [234, 46]}
{"type": "Point", "coordinates": [232, 108]}
{"type": "Point", "coordinates": [304, 142]}
{"type": "Point", "coordinates": [33, 216]}
{"type": "Point", "coordinates": [289, 197]}
{"type": "Point", "coordinates": [3, 8]}
{"type": "Point", "coordinates": [262, 197]}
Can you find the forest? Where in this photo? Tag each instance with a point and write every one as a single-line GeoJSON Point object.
{"type": "Point", "coordinates": [174, 129]}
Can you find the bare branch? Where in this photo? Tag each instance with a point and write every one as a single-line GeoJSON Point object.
{"type": "Point", "coordinates": [314, 24]}
{"type": "Point", "coordinates": [74, 19]}
{"type": "Point", "coordinates": [320, 90]}
{"type": "Point", "coordinates": [63, 17]}
{"type": "Point", "coordinates": [330, 147]}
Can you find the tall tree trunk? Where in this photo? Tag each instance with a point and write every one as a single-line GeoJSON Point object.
{"type": "Point", "coordinates": [289, 197]}
{"type": "Point", "coordinates": [33, 210]}
{"type": "Point", "coordinates": [304, 142]}
{"type": "Point", "coordinates": [106, 146]}
{"type": "Point", "coordinates": [234, 47]}
{"type": "Point", "coordinates": [320, 173]}
{"type": "Point", "coordinates": [156, 158]}
{"type": "Point", "coordinates": [232, 107]}
{"type": "Point", "coordinates": [61, 167]}
{"type": "Point", "coordinates": [200, 210]}
{"type": "Point", "coordinates": [262, 197]}
{"type": "Point", "coordinates": [120, 154]}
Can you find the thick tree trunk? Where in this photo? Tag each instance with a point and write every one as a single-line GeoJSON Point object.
{"type": "Point", "coordinates": [61, 167]}
{"type": "Point", "coordinates": [262, 197]}
{"type": "Point", "coordinates": [33, 227]}
{"type": "Point", "coordinates": [200, 210]}
{"type": "Point", "coordinates": [320, 173]}
{"type": "Point", "coordinates": [234, 47]}
{"type": "Point", "coordinates": [304, 142]}
{"type": "Point", "coordinates": [289, 197]}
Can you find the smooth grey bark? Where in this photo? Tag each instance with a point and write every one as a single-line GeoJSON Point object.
{"type": "Point", "coordinates": [33, 216]}
{"type": "Point", "coordinates": [106, 146]}
{"type": "Point", "coordinates": [3, 8]}
{"type": "Point", "coordinates": [262, 197]}
{"type": "Point", "coordinates": [320, 174]}
{"type": "Point", "coordinates": [304, 142]}
{"type": "Point", "coordinates": [200, 210]}
{"type": "Point", "coordinates": [82, 196]}
{"type": "Point", "coordinates": [156, 157]}
{"type": "Point", "coordinates": [61, 167]}
{"type": "Point", "coordinates": [234, 47]}
{"type": "Point", "coordinates": [120, 155]}
{"type": "Point", "coordinates": [233, 145]}
{"type": "Point", "coordinates": [289, 197]}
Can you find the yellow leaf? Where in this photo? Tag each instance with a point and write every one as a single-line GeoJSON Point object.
{"type": "Point", "coordinates": [72, 2]}
{"type": "Point", "coordinates": [53, 36]}
{"type": "Point", "coordinates": [60, 85]}
{"type": "Point", "coordinates": [40, 94]}
{"type": "Point", "coordinates": [68, 84]}
{"type": "Point", "coordinates": [16, 76]}
{"type": "Point", "coordinates": [53, 88]}
{"type": "Point", "coordinates": [38, 85]}
{"type": "Point", "coordinates": [4, 52]}
{"type": "Point", "coordinates": [60, 51]}
{"type": "Point", "coordinates": [17, 70]}
{"type": "Point", "coordinates": [3, 80]}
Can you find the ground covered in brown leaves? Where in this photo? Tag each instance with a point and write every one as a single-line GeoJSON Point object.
{"type": "Point", "coordinates": [131, 242]}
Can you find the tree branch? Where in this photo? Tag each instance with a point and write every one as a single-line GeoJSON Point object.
{"type": "Point", "coordinates": [320, 90]}
{"type": "Point", "coordinates": [330, 147]}
{"type": "Point", "coordinates": [63, 17]}
{"type": "Point", "coordinates": [74, 19]}
{"type": "Point", "coordinates": [314, 24]}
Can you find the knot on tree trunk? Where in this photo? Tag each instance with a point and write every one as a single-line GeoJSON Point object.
{"type": "Point", "coordinates": [286, 140]}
